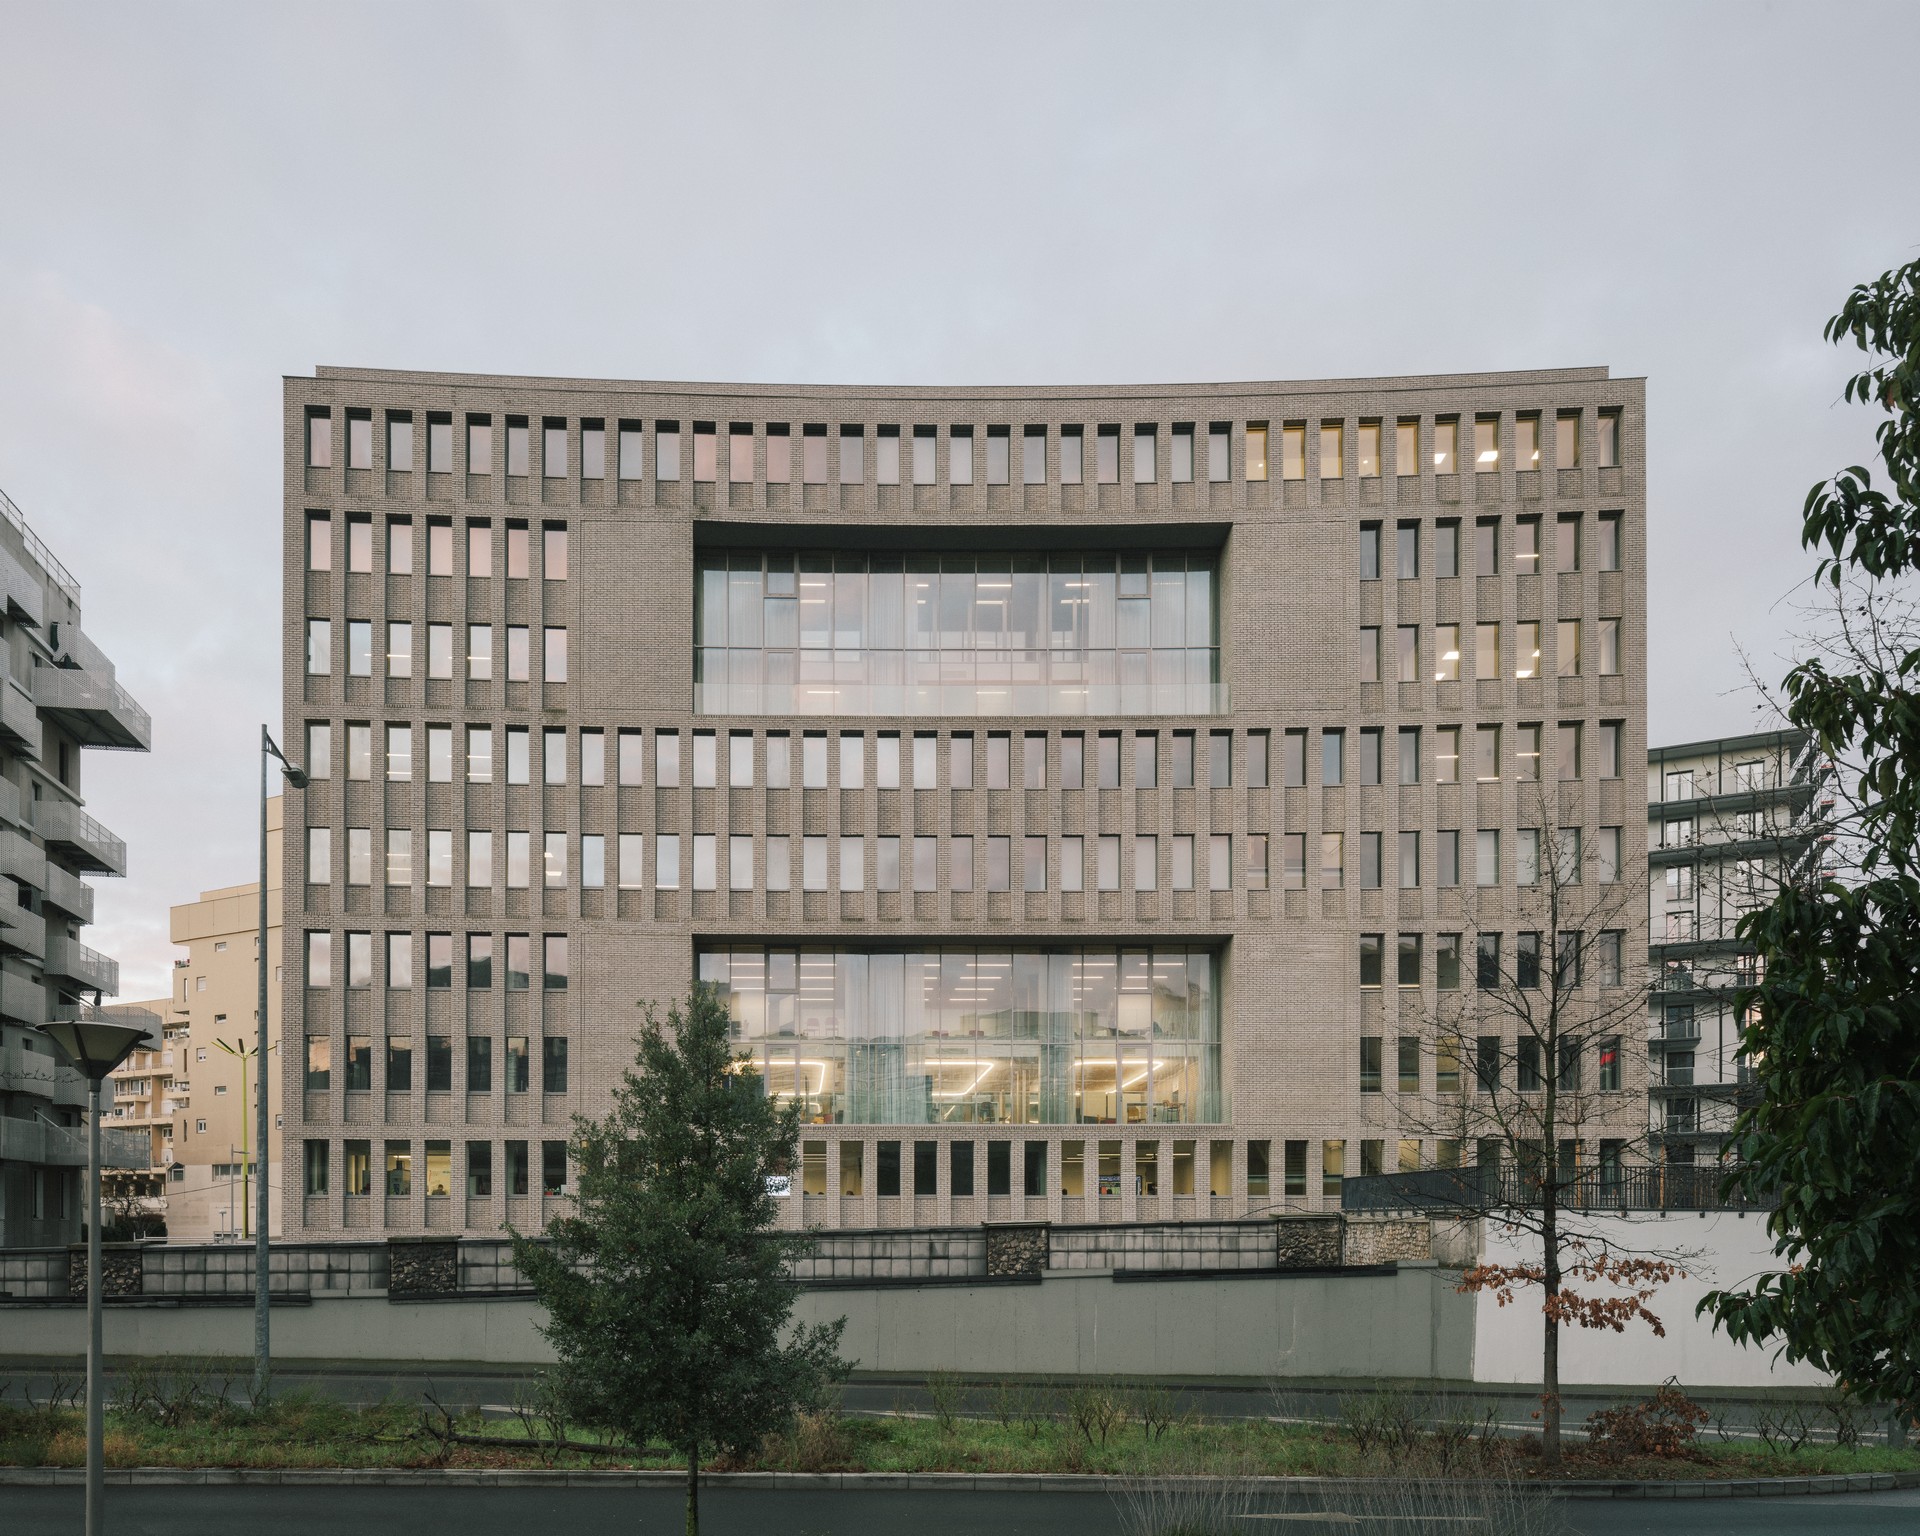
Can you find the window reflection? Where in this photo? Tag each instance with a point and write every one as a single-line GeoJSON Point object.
{"type": "Point", "coordinates": [964, 1035]}
{"type": "Point", "coordinates": [956, 634]}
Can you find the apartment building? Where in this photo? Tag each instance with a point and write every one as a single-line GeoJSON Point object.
{"type": "Point", "coordinates": [148, 1091]}
{"type": "Point", "coordinates": [58, 698]}
{"type": "Point", "coordinates": [1046, 775]}
{"type": "Point", "coordinates": [1726, 821]}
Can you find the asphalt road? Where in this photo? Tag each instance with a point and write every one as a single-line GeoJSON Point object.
{"type": "Point", "coordinates": [179, 1511]}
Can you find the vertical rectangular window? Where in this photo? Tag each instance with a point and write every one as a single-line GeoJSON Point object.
{"type": "Point", "coordinates": [632, 869]}
{"type": "Point", "coordinates": [554, 662]}
{"type": "Point", "coordinates": [1446, 754]}
{"type": "Point", "coordinates": [319, 647]}
{"type": "Point", "coordinates": [1406, 550]}
{"type": "Point", "coordinates": [632, 762]}
{"type": "Point", "coordinates": [1180, 470]}
{"type": "Point", "coordinates": [1254, 447]}
{"type": "Point", "coordinates": [319, 758]}
{"type": "Point", "coordinates": [319, 960]}
{"type": "Point", "coordinates": [1367, 450]}
{"type": "Point", "coordinates": [1567, 749]}
{"type": "Point", "coordinates": [1293, 759]}
{"type": "Point", "coordinates": [886, 864]}
{"type": "Point", "coordinates": [1526, 649]}
{"type": "Point", "coordinates": [1607, 527]}
{"type": "Point", "coordinates": [1370, 959]}
{"type": "Point", "coordinates": [813, 760]}
{"type": "Point", "coordinates": [706, 453]}
{"type": "Point", "coordinates": [1033, 456]}
{"type": "Point", "coordinates": [739, 759]}
{"type": "Point", "coordinates": [1333, 758]}
{"type": "Point", "coordinates": [1107, 455]}
{"type": "Point", "coordinates": [593, 861]}
{"type": "Point", "coordinates": [1566, 542]}
{"type": "Point", "coordinates": [1607, 634]}
{"type": "Point", "coordinates": [399, 648]}
{"type": "Point", "coordinates": [479, 754]}
{"type": "Point", "coordinates": [1182, 873]}
{"type": "Point", "coordinates": [1486, 443]}
{"type": "Point", "coordinates": [1369, 551]}
{"type": "Point", "coordinates": [666, 759]}
{"type": "Point", "coordinates": [359, 439]}
{"type": "Point", "coordinates": [926, 760]}
{"type": "Point", "coordinates": [319, 542]}
{"type": "Point", "coordinates": [886, 456]}
{"type": "Point", "coordinates": [1526, 441]}
{"type": "Point", "coordinates": [399, 856]}
{"type": "Point", "coordinates": [1220, 759]}
{"type": "Point", "coordinates": [359, 856]}
{"type": "Point", "coordinates": [1332, 450]}
{"type": "Point", "coordinates": [1446, 658]}
{"type": "Point", "coordinates": [666, 450]}
{"type": "Point", "coordinates": [1566, 440]}
{"type": "Point", "coordinates": [779, 453]}
{"type": "Point", "coordinates": [1486, 651]}
{"type": "Point", "coordinates": [853, 455]}
{"type": "Point", "coordinates": [740, 453]}
{"type": "Point", "coordinates": [1256, 861]}
{"type": "Point", "coordinates": [1409, 861]}
{"type": "Point", "coordinates": [925, 452]}
{"type": "Point", "coordinates": [517, 450]}
{"type": "Point", "coordinates": [1370, 861]}
{"type": "Point", "coordinates": [1146, 863]}
{"type": "Point", "coordinates": [553, 755]}
{"type": "Point", "coordinates": [1526, 862]}
{"type": "Point", "coordinates": [553, 551]}
{"type": "Point", "coordinates": [1446, 547]}
{"type": "Point", "coordinates": [1293, 861]}
{"type": "Point", "coordinates": [440, 652]}
{"type": "Point", "coordinates": [1567, 645]}
{"type": "Point", "coordinates": [632, 442]}
{"type": "Point", "coordinates": [960, 863]}
{"type": "Point", "coordinates": [813, 453]}
{"type": "Point", "coordinates": [1607, 856]}
{"type": "Point", "coordinates": [1409, 754]}
{"type": "Point", "coordinates": [1072, 456]}
{"type": "Point", "coordinates": [1145, 468]}
{"type": "Point", "coordinates": [1034, 864]}
{"type": "Point", "coordinates": [1107, 764]}
{"type": "Point", "coordinates": [999, 760]}
{"type": "Point", "coordinates": [1146, 759]}
{"type": "Point", "coordinates": [553, 1168]}
{"type": "Point", "coordinates": [1333, 871]}
{"type": "Point", "coordinates": [1073, 864]}
{"type": "Point", "coordinates": [359, 648]}
{"type": "Point", "coordinates": [553, 448]}
{"type": "Point", "coordinates": [1033, 760]}
{"type": "Point", "coordinates": [1609, 749]}
{"type": "Point", "coordinates": [1219, 452]}
{"type": "Point", "coordinates": [593, 449]}
{"type": "Point", "coordinates": [1182, 765]}
{"type": "Point", "coordinates": [853, 864]}
{"type": "Point", "coordinates": [1447, 859]}
{"type": "Point", "coordinates": [706, 764]}
{"type": "Point", "coordinates": [1446, 446]}
{"type": "Point", "coordinates": [1407, 653]}
{"type": "Point", "coordinates": [1406, 447]}
{"type": "Point", "coordinates": [319, 437]}
{"type": "Point", "coordinates": [925, 863]}
{"type": "Point", "coordinates": [666, 861]}
{"type": "Point", "coordinates": [1486, 856]}
{"type": "Point", "coordinates": [960, 456]}
{"type": "Point", "coordinates": [1258, 759]}
{"type": "Point", "coordinates": [1526, 545]}
{"type": "Point", "coordinates": [960, 760]}
{"type": "Point", "coordinates": [1219, 861]}
{"type": "Point", "coordinates": [999, 454]}
{"type": "Point", "coordinates": [1609, 445]}
{"type": "Point", "coordinates": [1107, 862]}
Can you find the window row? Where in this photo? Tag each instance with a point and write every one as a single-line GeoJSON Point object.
{"type": "Point", "coordinates": [995, 760]}
{"type": "Point", "coordinates": [1570, 548]}
{"type": "Point", "coordinates": [515, 950]}
{"type": "Point", "coordinates": [960, 1034]}
{"type": "Point", "coordinates": [1567, 864]}
{"type": "Point", "coordinates": [1445, 657]}
{"type": "Point", "coordinates": [1494, 1063]}
{"type": "Point", "coordinates": [397, 1074]}
{"type": "Point", "coordinates": [398, 658]}
{"type": "Point", "coordinates": [914, 453]}
{"type": "Point", "coordinates": [437, 1175]}
{"type": "Point", "coordinates": [1187, 863]}
{"type": "Point", "coordinates": [401, 559]}
{"type": "Point", "coordinates": [1576, 959]}
{"type": "Point", "coordinates": [1499, 751]}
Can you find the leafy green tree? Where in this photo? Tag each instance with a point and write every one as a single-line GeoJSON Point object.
{"type": "Point", "coordinates": [669, 1290]}
{"type": "Point", "coordinates": [1833, 1032]}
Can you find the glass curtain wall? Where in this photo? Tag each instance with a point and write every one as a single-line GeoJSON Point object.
{"type": "Point", "coordinates": [956, 634]}
{"type": "Point", "coordinates": [957, 1035]}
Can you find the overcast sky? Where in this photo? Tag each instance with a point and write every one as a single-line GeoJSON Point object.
{"type": "Point", "coordinates": [198, 199]}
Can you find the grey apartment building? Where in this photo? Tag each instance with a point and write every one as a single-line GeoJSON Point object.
{"type": "Point", "coordinates": [58, 698]}
{"type": "Point", "coordinates": [1081, 795]}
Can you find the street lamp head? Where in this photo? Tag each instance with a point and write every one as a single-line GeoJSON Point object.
{"type": "Point", "coordinates": [94, 1046]}
{"type": "Point", "coordinates": [296, 777]}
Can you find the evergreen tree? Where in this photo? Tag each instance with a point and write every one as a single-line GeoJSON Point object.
{"type": "Point", "coordinates": [669, 1291]}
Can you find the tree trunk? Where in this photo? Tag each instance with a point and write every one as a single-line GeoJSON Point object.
{"type": "Point", "coordinates": [1550, 1344]}
{"type": "Point", "coordinates": [693, 1489]}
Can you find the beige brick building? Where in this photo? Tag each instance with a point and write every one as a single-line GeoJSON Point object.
{"type": "Point", "coordinates": [1073, 788]}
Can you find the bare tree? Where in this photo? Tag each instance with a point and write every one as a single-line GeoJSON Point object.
{"type": "Point", "coordinates": [1536, 1041]}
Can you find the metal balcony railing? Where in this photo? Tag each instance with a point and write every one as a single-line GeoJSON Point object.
{"type": "Point", "coordinates": [66, 828]}
{"type": "Point", "coordinates": [36, 1141]}
{"type": "Point", "coordinates": [74, 961]}
{"type": "Point", "coordinates": [57, 573]}
{"type": "Point", "coordinates": [1639, 1187]}
{"type": "Point", "coordinates": [93, 708]}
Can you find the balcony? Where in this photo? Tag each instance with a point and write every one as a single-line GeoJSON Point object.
{"type": "Point", "coordinates": [22, 932]}
{"type": "Point", "coordinates": [25, 1071]}
{"type": "Point", "coordinates": [19, 721]}
{"type": "Point", "coordinates": [74, 835]}
{"type": "Point", "coordinates": [21, 860]}
{"type": "Point", "coordinates": [36, 1141]}
{"type": "Point", "coordinates": [22, 999]}
{"type": "Point", "coordinates": [89, 970]}
{"type": "Point", "coordinates": [68, 893]}
{"type": "Point", "coordinates": [92, 708]}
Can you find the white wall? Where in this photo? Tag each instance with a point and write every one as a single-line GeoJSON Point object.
{"type": "Point", "coordinates": [1722, 1248]}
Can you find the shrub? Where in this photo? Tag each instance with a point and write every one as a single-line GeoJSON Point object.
{"type": "Point", "coordinates": [1663, 1426]}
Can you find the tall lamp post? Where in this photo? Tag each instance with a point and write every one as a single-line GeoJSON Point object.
{"type": "Point", "coordinates": [95, 1047]}
{"type": "Point", "coordinates": [262, 1351]}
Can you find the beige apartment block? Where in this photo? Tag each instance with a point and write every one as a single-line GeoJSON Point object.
{"type": "Point", "coordinates": [213, 1012]}
{"type": "Point", "coordinates": [1070, 788]}
{"type": "Point", "coordinates": [148, 1093]}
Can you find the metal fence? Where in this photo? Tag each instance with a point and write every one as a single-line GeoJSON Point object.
{"type": "Point", "coordinates": [1645, 1187]}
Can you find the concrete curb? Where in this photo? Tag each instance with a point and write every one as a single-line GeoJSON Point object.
{"type": "Point", "coordinates": [847, 1482]}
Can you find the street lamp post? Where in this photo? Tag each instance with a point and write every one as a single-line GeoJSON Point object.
{"type": "Point", "coordinates": [95, 1048]}
{"type": "Point", "coordinates": [262, 1351]}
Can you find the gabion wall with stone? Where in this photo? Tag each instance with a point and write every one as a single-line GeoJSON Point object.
{"type": "Point", "coordinates": [1017, 1251]}
{"type": "Point", "coordinates": [1388, 1240]}
{"type": "Point", "coordinates": [1308, 1242]}
{"type": "Point", "coordinates": [417, 1268]}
